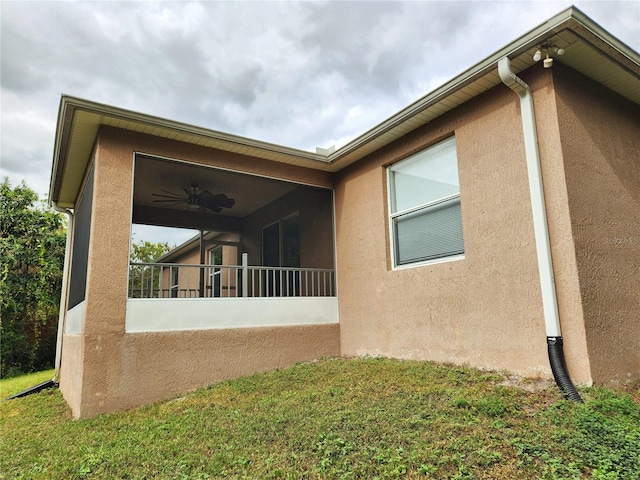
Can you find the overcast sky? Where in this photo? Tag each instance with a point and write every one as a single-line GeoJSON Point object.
{"type": "Point", "coordinates": [300, 74]}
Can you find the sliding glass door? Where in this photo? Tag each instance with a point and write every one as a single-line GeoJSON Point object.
{"type": "Point", "coordinates": [281, 248]}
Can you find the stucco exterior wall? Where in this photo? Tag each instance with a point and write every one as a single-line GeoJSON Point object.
{"type": "Point", "coordinates": [486, 309]}
{"type": "Point", "coordinates": [163, 147]}
{"type": "Point", "coordinates": [189, 278]}
{"type": "Point", "coordinates": [106, 369]}
{"type": "Point", "coordinates": [563, 253]}
{"type": "Point", "coordinates": [71, 370]}
{"type": "Point", "coordinates": [126, 371]}
{"type": "Point", "coordinates": [601, 149]}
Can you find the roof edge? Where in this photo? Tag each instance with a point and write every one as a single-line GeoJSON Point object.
{"type": "Point", "coordinates": [62, 126]}
{"type": "Point", "coordinates": [604, 35]}
{"type": "Point", "coordinates": [131, 115]}
{"type": "Point", "coordinates": [513, 49]}
{"type": "Point", "coordinates": [570, 18]}
{"type": "Point", "coordinates": [70, 105]}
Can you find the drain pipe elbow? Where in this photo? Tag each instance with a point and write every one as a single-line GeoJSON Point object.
{"type": "Point", "coordinates": [510, 79]}
{"type": "Point", "coordinates": [559, 369]}
{"type": "Point", "coordinates": [62, 315]}
{"type": "Point", "coordinates": [541, 230]}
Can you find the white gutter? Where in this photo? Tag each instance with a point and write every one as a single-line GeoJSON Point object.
{"type": "Point", "coordinates": [540, 226]}
{"type": "Point", "coordinates": [64, 290]}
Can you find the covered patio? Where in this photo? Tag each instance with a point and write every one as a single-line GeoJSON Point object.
{"type": "Point", "coordinates": [254, 289]}
{"type": "Point", "coordinates": [264, 254]}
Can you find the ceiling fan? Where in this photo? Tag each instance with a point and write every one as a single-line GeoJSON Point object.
{"type": "Point", "coordinates": [195, 199]}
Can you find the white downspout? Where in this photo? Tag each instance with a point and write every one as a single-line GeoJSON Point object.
{"type": "Point", "coordinates": [540, 228]}
{"type": "Point", "coordinates": [64, 290]}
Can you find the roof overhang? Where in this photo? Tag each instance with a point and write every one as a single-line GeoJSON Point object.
{"type": "Point", "coordinates": [79, 121]}
{"type": "Point", "coordinates": [589, 49]}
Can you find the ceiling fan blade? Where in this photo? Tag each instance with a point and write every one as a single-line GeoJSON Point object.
{"type": "Point", "coordinates": [166, 203]}
{"type": "Point", "coordinates": [204, 199]}
{"type": "Point", "coordinates": [171, 200]}
{"type": "Point", "coordinates": [173, 194]}
{"type": "Point", "coordinates": [175, 197]}
{"type": "Point", "coordinates": [224, 201]}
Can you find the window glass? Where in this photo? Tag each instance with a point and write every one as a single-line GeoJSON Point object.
{"type": "Point", "coordinates": [425, 177]}
{"type": "Point", "coordinates": [291, 241]}
{"type": "Point", "coordinates": [271, 245]}
{"type": "Point", "coordinates": [175, 281]}
{"type": "Point", "coordinates": [425, 205]}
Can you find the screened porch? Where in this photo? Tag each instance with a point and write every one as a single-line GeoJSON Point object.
{"type": "Point", "coordinates": [175, 280]}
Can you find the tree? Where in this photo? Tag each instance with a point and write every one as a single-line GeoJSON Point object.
{"type": "Point", "coordinates": [147, 252]}
{"type": "Point", "coordinates": [144, 280]}
{"type": "Point", "coordinates": [32, 244]}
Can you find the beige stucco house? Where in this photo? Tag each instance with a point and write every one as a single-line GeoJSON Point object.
{"type": "Point", "coordinates": [481, 224]}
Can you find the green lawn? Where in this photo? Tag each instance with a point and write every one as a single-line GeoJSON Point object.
{"type": "Point", "coordinates": [11, 386]}
{"type": "Point", "coordinates": [358, 418]}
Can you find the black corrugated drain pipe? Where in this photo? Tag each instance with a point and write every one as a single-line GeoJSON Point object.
{"type": "Point", "coordinates": [559, 369]}
{"type": "Point", "coordinates": [34, 389]}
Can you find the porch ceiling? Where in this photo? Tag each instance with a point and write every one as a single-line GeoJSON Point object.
{"type": "Point", "coordinates": [589, 49]}
{"type": "Point", "coordinates": [154, 176]}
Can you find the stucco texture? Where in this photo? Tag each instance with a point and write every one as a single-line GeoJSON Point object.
{"type": "Point", "coordinates": [105, 369]}
{"type": "Point", "coordinates": [72, 368]}
{"type": "Point", "coordinates": [124, 371]}
{"type": "Point", "coordinates": [484, 310]}
{"type": "Point", "coordinates": [600, 140]}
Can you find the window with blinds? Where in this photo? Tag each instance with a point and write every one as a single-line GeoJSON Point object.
{"type": "Point", "coordinates": [424, 192]}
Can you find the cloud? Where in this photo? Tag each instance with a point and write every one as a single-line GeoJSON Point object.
{"type": "Point", "coordinates": [301, 74]}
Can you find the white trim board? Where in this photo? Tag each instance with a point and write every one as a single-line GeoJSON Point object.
{"type": "Point", "coordinates": [75, 319]}
{"type": "Point", "coordinates": [173, 314]}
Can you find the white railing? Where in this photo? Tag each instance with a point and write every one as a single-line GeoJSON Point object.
{"type": "Point", "coordinates": [172, 280]}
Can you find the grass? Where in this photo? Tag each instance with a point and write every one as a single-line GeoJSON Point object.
{"type": "Point", "coordinates": [358, 418]}
{"type": "Point", "coordinates": [11, 386]}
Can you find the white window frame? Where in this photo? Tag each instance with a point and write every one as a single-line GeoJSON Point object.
{"type": "Point", "coordinates": [394, 215]}
{"type": "Point", "coordinates": [174, 286]}
{"type": "Point", "coordinates": [215, 270]}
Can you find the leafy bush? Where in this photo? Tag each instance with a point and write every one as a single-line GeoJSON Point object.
{"type": "Point", "coordinates": [32, 244]}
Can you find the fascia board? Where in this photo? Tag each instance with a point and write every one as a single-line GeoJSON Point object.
{"type": "Point", "coordinates": [131, 116]}
{"type": "Point", "coordinates": [571, 18]}
{"type": "Point", "coordinates": [606, 37]}
{"type": "Point", "coordinates": [568, 18]}
{"type": "Point", "coordinates": [59, 150]}
{"type": "Point", "coordinates": [105, 114]}
{"type": "Point", "coordinates": [116, 113]}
